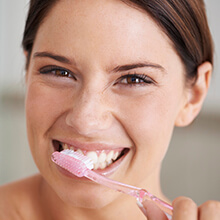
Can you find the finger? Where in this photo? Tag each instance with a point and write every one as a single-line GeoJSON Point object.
{"type": "Point", "coordinates": [152, 211]}
{"type": "Point", "coordinates": [184, 208]}
{"type": "Point", "coordinates": [210, 210]}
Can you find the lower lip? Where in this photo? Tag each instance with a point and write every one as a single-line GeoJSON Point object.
{"type": "Point", "coordinates": [105, 172]}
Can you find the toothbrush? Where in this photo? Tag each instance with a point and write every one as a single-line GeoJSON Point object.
{"type": "Point", "coordinates": [81, 166]}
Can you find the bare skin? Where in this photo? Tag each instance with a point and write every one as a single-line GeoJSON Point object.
{"type": "Point", "coordinates": [20, 200]}
{"type": "Point", "coordinates": [102, 76]}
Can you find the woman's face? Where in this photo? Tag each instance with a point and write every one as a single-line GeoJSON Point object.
{"type": "Point", "coordinates": [103, 78]}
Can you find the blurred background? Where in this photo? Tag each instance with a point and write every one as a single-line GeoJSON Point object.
{"type": "Point", "coordinates": [191, 167]}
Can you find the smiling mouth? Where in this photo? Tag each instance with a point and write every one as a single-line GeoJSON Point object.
{"type": "Point", "coordinates": [101, 158]}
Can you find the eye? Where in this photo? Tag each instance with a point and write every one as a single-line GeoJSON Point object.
{"type": "Point", "coordinates": [135, 79]}
{"type": "Point", "coordinates": [57, 71]}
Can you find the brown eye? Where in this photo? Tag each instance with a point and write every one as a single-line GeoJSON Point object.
{"type": "Point", "coordinates": [132, 80]}
{"type": "Point", "coordinates": [57, 71]}
{"type": "Point", "coordinates": [60, 72]}
{"type": "Point", "coordinates": [135, 79]}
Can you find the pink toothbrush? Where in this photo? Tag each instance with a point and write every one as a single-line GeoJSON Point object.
{"type": "Point", "coordinates": [81, 166]}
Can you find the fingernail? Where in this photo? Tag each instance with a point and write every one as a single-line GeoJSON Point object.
{"type": "Point", "coordinates": [141, 207]}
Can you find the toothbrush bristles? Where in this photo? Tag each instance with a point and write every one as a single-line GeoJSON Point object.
{"type": "Point", "coordinates": [73, 162]}
{"type": "Point", "coordinates": [86, 160]}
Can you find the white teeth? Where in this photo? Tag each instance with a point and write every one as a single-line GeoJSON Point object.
{"type": "Point", "coordinates": [109, 162]}
{"type": "Point", "coordinates": [100, 161]}
{"type": "Point", "coordinates": [102, 157]}
{"type": "Point", "coordinates": [79, 151]}
{"type": "Point", "coordinates": [102, 165]}
{"type": "Point", "coordinates": [93, 156]}
{"type": "Point", "coordinates": [115, 155]}
{"type": "Point", "coordinates": [110, 155]}
{"type": "Point", "coordinates": [65, 146]}
{"type": "Point", "coordinates": [96, 166]}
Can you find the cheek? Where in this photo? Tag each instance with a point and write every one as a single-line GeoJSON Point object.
{"type": "Point", "coordinates": [149, 122]}
{"type": "Point", "coordinates": [149, 118]}
{"type": "Point", "coordinates": [43, 106]}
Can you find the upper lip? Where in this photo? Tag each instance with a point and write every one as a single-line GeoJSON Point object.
{"type": "Point", "coordinates": [91, 146]}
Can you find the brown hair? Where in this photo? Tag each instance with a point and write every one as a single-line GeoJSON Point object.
{"type": "Point", "coordinates": [38, 10]}
{"type": "Point", "coordinates": [183, 21]}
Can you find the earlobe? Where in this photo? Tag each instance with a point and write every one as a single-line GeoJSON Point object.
{"type": "Point", "coordinates": [25, 53]}
{"type": "Point", "coordinates": [195, 96]}
{"type": "Point", "coordinates": [26, 57]}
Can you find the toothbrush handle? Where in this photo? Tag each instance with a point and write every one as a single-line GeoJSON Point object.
{"type": "Point", "coordinates": [138, 193]}
{"type": "Point", "coordinates": [165, 207]}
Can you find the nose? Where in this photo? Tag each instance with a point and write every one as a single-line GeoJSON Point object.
{"type": "Point", "coordinates": [89, 113]}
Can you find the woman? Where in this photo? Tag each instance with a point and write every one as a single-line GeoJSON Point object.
{"type": "Point", "coordinates": [109, 79]}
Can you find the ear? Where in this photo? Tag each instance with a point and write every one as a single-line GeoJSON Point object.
{"type": "Point", "coordinates": [195, 96]}
{"type": "Point", "coordinates": [25, 53]}
{"type": "Point", "coordinates": [26, 58]}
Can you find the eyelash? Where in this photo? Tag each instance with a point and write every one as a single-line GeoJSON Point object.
{"type": "Point", "coordinates": [142, 78]}
{"type": "Point", "coordinates": [53, 70]}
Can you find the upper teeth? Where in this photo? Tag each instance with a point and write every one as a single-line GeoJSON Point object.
{"type": "Point", "coordinates": [100, 159]}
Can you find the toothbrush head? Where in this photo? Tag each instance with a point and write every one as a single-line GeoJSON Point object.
{"type": "Point", "coordinates": [74, 162]}
{"type": "Point", "coordinates": [86, 160]}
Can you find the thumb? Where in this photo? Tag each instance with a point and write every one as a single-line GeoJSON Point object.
{"type": "Point", "coordinates": [151, 211]}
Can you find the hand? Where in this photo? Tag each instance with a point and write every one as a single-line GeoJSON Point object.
{"type": "Point", "coordinates": [183, 208]}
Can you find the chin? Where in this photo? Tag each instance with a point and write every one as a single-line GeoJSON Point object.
{"type": "Point", "coordinates": [88, 196]}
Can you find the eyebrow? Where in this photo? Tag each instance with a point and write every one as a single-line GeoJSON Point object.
{"type": "Point", "coordinates": [139, 65]}
{"type": "Point", "coordinates": [118, 68]}
{"type": "Point", "coordinates": [56, 57]}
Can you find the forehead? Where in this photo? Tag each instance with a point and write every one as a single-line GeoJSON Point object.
{"type": "Point", "coordinates": [107, 27]}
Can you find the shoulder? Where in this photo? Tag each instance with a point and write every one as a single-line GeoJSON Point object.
{"type": "Point", "coordinates": [17, 198]}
